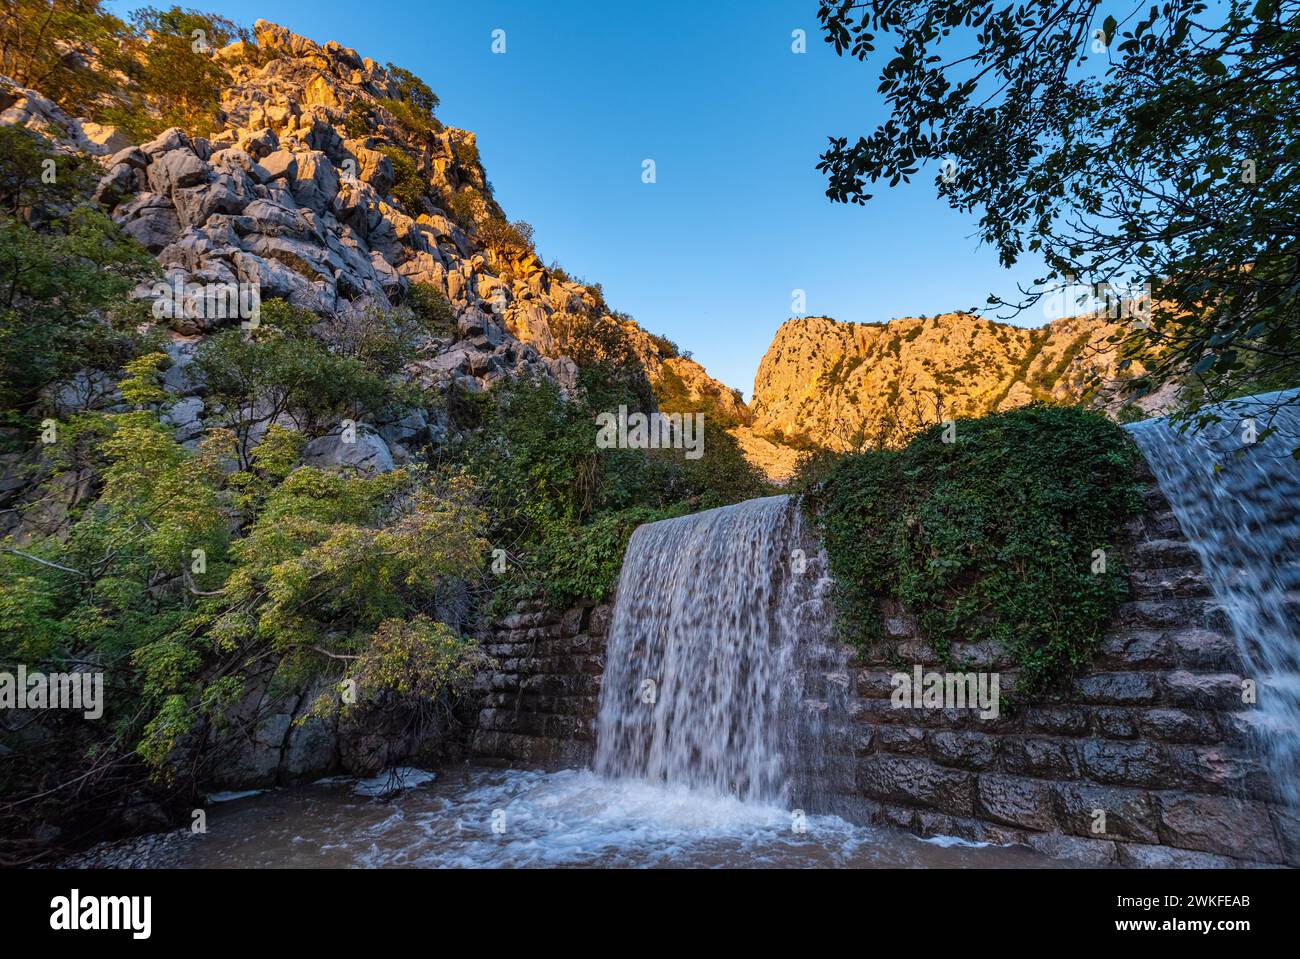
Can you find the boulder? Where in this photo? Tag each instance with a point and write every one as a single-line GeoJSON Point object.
{"type": "Point", "coordinates": [114, 185]}
{"type": "Point", "coordinates": [367, 453]}
{"type": "Point", "coordinates": [185, 418]}
{"type": "Point", "coordinates": [151, 220]}
{"type": "Point", "coordinates": [176, 169]}
{"type": "Point", "coordinates": [280, 165]}
{"type": "Point", "coordinates": [169, 140]}
{"type": "Point", "coordinates": [316, 182]}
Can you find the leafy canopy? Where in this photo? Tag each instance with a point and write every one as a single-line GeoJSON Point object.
{"type": "Point", "coordinates": [1126, 144]}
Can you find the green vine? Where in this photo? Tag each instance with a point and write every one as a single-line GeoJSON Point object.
{"type": "Point", "coordinates": [990, 536]}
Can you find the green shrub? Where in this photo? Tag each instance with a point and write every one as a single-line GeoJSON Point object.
{"type": "Point", "coordinates": [64, 304]}
{"type": "Point", "coordinates": [357, 120]}
{"type": "Point", "coordinates": [563, 507]}
{"type": "Point", "coordinates": [512, 240]}
{"type": "Point", "coordinates": [466, 154]}
{"type": "Point", "coordinates": [409, 187]}
{"type": "Point", "coordinates": [583, 562]}
{"type": "Point", "coordinates": [990, 537]}
{"type": "Point", "coordinates": [412, 90]}
{"type": "Point", "coordinates": [283, 368]}
{"type": "Point", "coordinates": [464, 207]}
{"type": "Point", "coordinates": [431, 308]}
{"type": "Point", "coordinates": [419, 126]}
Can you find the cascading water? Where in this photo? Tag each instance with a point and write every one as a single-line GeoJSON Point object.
{"type": "Point", "coordinates": [1236, 500]}
{"type": "Point", "coordinates": [720, 671]}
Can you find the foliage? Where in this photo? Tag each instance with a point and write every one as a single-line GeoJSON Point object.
{"type": "Point", "coordinates": [145, 75]}
{"type": "Point", "coordinates": [666, 348]}
{"type": "Point", "coordinates": [61, 286]}
{"type": "Point", "coordinates": [281, 369]}
{"type": "Point", "coordinates": [45, 44]}
{"type": "Point", "coordinates": [1154, 146]}
{"type": "Point", "coordinates": [185, 574]}
{"type": "Point", "coordinates": [562, 507]}
{"type": "Point", "coordinates": [990, 537]}
{"type": "Point", "coordinates": [173, 70]}
{"type": "Point", "coordinates": [412, 90]}
{"type": "Point", "coordinates": [583, 562]}
{"type": "Point", "coordinates": [509, 240]}
{"type": "Point", "coordinates": [357, 120]}
{"type": "Point", "coordinates": [431, 308]}
{"type": "Point", "coordinates": [674, 396]}
{"type": "Point", "coordinates": [330, 557]}
{"type": "Point", "coordinates": [421, 127]}
{"type": "Point", "coordinates": [409, 187]}
{"type": "Point", "coordinates": [419, 658]}
{"type": "Point", "coordinates": [593, 337]}
{"type": "Point", "coordinates": [467, 157]}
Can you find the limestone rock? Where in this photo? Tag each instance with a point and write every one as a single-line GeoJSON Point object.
{"type": "Point", "coordinates": [852, 385]}
{"type": "Point", "coordinates": [367, 453]}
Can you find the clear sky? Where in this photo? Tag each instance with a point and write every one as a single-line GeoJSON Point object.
{"type": "Point", "coordinates": [734, 120]}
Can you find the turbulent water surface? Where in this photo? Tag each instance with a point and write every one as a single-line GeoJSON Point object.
{"type": "Point", "coordinates": [480, 817]}
{"type": "Point", "coordinates": [721, 672]}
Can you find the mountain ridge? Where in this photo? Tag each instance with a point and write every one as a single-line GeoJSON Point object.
{"type": "Point", "coordinates": [844, 385]}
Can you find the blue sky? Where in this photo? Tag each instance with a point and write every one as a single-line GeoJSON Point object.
{"type": "Point", "coordinates": [734, 120]}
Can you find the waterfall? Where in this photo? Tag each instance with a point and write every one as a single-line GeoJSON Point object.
{"type": "Point", "coordinates": [1237, 502]}
{"type": "Point", "coordinates": [721, 673]}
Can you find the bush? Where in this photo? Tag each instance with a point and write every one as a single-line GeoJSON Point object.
{"type": "Point", "coordinates": [64, 305]}
{"type": "Point", "coordinates": [283, 369]}
{"type": "Point", "coordinates": [409, 186]}
{"type": "Point", "coordinates": [564, 507]}
{"type": "Point", "coordinates": [466, 154]}
{"type": "Point", "coordinates": [431, 309]}
{"type": "Point", "coordinates": [665, 347]}
{"type": "Point", "coordinates": [467, 207]}
{"type": "Point", "coordinates": [357, 121]}
{"type": "Point", "coordinates": [991, 537]}
{"type": "Point", "coordinates": [509, 240]}
{"type": "Point", "coordinates": [583, 562]}
{"type": "Point", "coordinates": [412, 90]}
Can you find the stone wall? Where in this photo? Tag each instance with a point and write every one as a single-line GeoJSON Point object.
{"type": "Point", "coordinates": [538, 707]}
{"type": "Point", "coordinates": [1155, 735]}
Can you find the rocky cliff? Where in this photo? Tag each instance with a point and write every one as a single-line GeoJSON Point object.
{"type": "Point", "coordinates": [319, 188]}
{"type": "Point", "coordinates": [850, 385]}
{"type": "Point", "coordinates": [321, 185]}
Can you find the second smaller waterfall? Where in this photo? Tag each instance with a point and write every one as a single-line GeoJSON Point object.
{"type": "Point", "coordinates": [1236, 501]}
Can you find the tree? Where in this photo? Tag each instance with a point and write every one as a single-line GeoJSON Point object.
{"type": "Point", "coordinates": [58, 286]}
{"type": "Point", "coordinates": [156, 71]}
{"type": "Point", "coordinates": [1141, 147]}
{"type": "Point", "coordinates": [172, 65]}
{"type": "Point", "coordinates": [47, 45]}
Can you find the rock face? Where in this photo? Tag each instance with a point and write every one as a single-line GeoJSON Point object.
{"type": "Point", "coordinates": [292, 198]}
{"type": "Point", "coordinates": [852, 385]}
{"type": "Point", "coordinates": [282, 742]}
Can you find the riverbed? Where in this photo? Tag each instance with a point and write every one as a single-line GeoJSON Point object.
{"type": "Point", "coordinates": [480, 817]}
